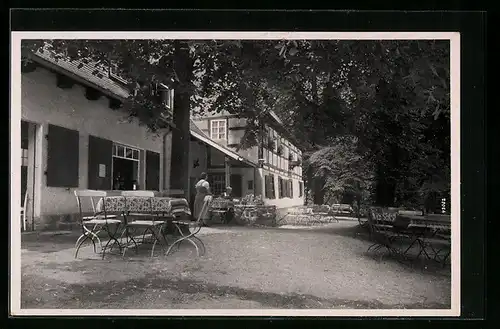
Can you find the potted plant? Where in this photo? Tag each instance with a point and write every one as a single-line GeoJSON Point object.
{"type": "Point", "coordinates": [271, 144]}
{"type": "Point", "coordinates": [279, 150]}
{"type": "Point", "coordinates": [295, 163]}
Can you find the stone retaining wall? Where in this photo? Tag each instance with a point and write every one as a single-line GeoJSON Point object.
{"type": "Point", "coordinates": [307, 219]}
{"type": "Point", "coordinates": [255, 214]}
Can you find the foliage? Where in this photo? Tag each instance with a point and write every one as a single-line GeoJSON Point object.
{"type": "Point", "coordinates": [215, 75]}
{"type": "Point", "coordinates": [343, 169]}
{"type": "Point", "coordinates": [393, 96]}
{"type": "Point", "coordinates": [377, 107]}
{"type": "Point", "coordinates": [251, 199]}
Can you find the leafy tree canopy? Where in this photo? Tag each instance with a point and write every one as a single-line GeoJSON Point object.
{"type": "Point", "coordinates": [392, 97]}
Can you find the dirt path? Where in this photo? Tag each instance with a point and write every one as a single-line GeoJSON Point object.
{"type": "Point", "coordinates": [243, 268]}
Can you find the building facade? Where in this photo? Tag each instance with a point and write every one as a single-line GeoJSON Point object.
{"type": "Point", "coordinates": [272, 169]}
{"type": "Point", "coordinates": [74, 136]}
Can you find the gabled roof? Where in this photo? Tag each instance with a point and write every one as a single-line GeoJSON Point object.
{"type": "Point", "coordinates": [196, 129]}
{"type": "Point", "coordinates": [197, 133]}
{"type": "Point", "coordinates": [86, 71]}
{"type": "Point", "coordinates": [100, 78]}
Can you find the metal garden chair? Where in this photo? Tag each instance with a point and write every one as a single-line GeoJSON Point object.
{"type": "Point", "coordinates": [196, 226]}
{"type": "Point", "coordinates": [382, 232]}
{"type": "Point", "coordinates": [93, 222]}
{"type": "Point", "coordinates": [145, 218]}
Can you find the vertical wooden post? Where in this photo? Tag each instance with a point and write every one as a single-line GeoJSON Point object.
{"type": "Point", "coordinates": [227, 170]}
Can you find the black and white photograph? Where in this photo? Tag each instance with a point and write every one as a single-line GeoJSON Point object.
{"type": "Point", "coordinates": [235, 173]}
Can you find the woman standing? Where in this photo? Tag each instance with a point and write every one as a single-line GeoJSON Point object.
{"type": "Point", "coordinates": [202, 190]}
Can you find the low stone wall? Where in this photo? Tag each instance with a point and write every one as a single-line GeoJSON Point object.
{"type": "Point", "coordinates": [255, 215]}
{"type": "Point", "coordinates": [307, 219]}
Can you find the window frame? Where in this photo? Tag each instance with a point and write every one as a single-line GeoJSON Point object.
{"type": "Point", "coordinates": [281, 190]}
{"type": "Point", "coordinates": [218, 121]}
{"type": "Point", "coordinates": [270, 188]}
{"type": "Point", "coordinates": [134, 150]}
{"type": "Point", "coordinates": [166, 98]}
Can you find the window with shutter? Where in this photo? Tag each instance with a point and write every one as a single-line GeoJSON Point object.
{"type": "Point", "coordinates": [273, 189]}
{"type": "Point", "coordinates": [267, 186]}
{"type": "Point", "coordinates": [270, 190]}
{"type": "Point", "coordinates": [301, 189]}
{"type": "Point", "coordinates": [152, 171]}
{"type": "Point", "coordinates": [62, 157]}
{"type": "Point", "coordinates": [291, 188]}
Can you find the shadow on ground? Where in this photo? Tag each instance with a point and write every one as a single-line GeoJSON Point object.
{"type": "Point", "coordinates": [168, 293]}
{"type": "Point", "coordinates": [320, 267]}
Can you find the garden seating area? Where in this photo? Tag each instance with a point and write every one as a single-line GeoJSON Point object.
{"type": "Point", "coordinates": [398, 231]}
{"type": "Point", "coordinates": [122, 217]}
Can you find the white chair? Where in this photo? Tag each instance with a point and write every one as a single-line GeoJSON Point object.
{"type": "Point", "coordinates": [93, 220]}
{"type": "Point", "coordinates": [24, 208]}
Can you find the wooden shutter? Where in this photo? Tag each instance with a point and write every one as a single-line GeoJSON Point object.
{"type": "Point", "coordinates": [291, 188]}
{"type": "Point", "coordinates": [152, 171]}
{"type": "Point", "coordinates": [100, 154]}
{"type": "Point", "coordinates": [280, 187]}
{"type": "Point", "coordinates": [62, 157]}
{"type": "Point", "coordinates": [272, 188]}
{"type": "Point", "coordinates": [266, 186]}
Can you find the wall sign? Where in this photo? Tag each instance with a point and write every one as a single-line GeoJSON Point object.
{"type": "Point", "coordinates": [102, 170]}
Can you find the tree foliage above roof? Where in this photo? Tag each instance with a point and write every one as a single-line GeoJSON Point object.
{"type": "Point", "coordinates": [392, 96]}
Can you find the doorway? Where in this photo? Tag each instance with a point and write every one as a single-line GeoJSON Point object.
{"type": "Point", "coordinates": [125, 174]}
{"type": "Point", "coordinates": [236, 183]}
{"type": "Point", "coordinates": [24, 159]}
{"type": "Point", "coordinates": [29, 179]}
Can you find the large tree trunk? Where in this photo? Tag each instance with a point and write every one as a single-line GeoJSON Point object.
{"type": "Point", "coordinates": [318, 191]}
{"type": "Point", "coordinates": [179, 176]}
{"type": "Point", "coordinates": [183, 66]}
{"type": "Point", "coordinates": [385, 188]}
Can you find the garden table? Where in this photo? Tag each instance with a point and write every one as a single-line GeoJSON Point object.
{"type": "Point", "coordinates": [166, 208]}
{"type": "Point", "coordinates": [424, 230]}
{"type": "Point", "coordinates": [221, 207]}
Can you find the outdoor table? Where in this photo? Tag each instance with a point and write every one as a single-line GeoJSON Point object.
{"type": "Point", "coordinates": [221, 206]}
{"type": "Point", "coordinates": [164, 207]}
{"type": "Point", "coordinates": [433, 222]}
{"type": "Point", "coordinates": [423, 228]}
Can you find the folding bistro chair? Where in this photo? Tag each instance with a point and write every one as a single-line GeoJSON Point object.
{"type": "Point", "coordinates": [94, 222]}
{"type": "Point", "coordinates": [144, 217]}
{"type": "Point", "coordinates": [196, 225]}
{"type": "Point", "coordinates": [443, 251]}
{"type": "Point", "coordinates": [436, 245]}
{"type": "Point", "coordinates": [382, 230]}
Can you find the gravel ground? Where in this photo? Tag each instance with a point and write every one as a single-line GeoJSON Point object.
{"type": "Point", "coordinates": [319, 267]}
